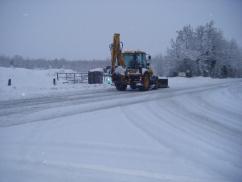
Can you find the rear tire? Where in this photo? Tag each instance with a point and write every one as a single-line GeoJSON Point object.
{"type": "Point", "coordinates": [120, 86]}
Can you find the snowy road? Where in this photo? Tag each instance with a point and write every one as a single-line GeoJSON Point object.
{"type": "Point", "coordinates": [49, 107]}
{"type": "Point", "coordinates": [189, 132]}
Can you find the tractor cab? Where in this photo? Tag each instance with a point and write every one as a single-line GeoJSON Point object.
{"type": "Point", "coordinates": [136, 59]}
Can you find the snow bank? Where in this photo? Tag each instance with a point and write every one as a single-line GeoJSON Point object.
{"type": "Point", "coordinates": [28, 83]}
{"type": "Point", "coordinates": [96, 69]}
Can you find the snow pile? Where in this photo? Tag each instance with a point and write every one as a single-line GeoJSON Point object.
{"type": "Point", "coordinates": [96, 70]}
{"type": "Point", "coordinates": [120, 70]}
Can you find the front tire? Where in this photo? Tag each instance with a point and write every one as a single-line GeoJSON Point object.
{"type": "Point", "coordinates": [146, 82]}
{"type": "Point", "coordinates": [133, 86]}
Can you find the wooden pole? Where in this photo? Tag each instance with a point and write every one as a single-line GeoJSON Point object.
{"type": "Point", "coordinates": [9, 82]}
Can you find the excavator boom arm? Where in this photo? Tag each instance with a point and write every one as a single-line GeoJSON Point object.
{"type": "Point", "coordinates": [116, 51]}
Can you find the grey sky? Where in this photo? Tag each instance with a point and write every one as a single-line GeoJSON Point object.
{"type": "Point", "coordinates": [83, 29]}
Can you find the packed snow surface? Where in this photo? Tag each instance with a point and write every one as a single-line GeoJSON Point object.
{"type": "Point", "coordinates": [191, 131]}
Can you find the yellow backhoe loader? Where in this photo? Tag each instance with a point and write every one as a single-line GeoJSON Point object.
{"type": "Point", "coordinates": [132, 68]}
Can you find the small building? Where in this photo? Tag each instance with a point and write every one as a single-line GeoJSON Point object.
{"type": "Point", "coordinates": [95, 76]}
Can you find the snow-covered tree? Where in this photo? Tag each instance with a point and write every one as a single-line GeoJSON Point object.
{"type": "Point", "coordinates": [204, 51]}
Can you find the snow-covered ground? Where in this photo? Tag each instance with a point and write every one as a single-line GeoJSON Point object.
{"type": "Point", "coordinates": [28, 83]}
{"type": "Point", "coordinates": [191, 131]}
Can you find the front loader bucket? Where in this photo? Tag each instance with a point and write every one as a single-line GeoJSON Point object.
{"type": "Point", "coordinates": [163, 83]}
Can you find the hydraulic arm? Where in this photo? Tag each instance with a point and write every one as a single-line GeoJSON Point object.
{"type": "Point", "coordinates": [116, 51]}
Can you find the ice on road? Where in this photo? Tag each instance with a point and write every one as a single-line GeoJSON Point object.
{"type": "Point", "coordinates": [191, 131]}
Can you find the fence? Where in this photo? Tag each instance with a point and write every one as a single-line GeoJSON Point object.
{"type": "Point", "coordinates": [80, 78]}
{"type": "Point", "coordinates": [72, 77]}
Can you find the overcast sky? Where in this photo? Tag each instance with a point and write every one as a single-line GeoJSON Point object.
{"type": "Point", "coordinates": [83, 29]}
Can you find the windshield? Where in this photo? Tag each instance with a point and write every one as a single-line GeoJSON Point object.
{"type": "Point", "coordinates": [135, 60]}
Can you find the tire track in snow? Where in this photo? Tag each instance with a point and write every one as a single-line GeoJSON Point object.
{"type": "Point", "coordinates": [10, 107]}
{"type": "Point", "coordinates": [192, 120]}
{"type": "Point", "coordinates": [230, 120]}
{"type": "Point", "coordinates": [167, 122]}
{"type": "Point", "coordinates": [140, 175]}
{"type": "Point", "coordinates": [226, 100]}
{"type": "Point", "coordinates": [96, 103]}
{"type": "Point", "coordinates": [89, 146]}
{"type": "Point", "coordinates": [222, 138]}
{"type": "Point", "coordinates": [163, 133]}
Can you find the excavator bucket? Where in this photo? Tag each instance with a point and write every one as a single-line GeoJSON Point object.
{"type": "Point", "coordinates": [163, 83]}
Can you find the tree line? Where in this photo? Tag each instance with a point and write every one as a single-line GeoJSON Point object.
{"type": "Point", "coordinates": [201, 51]}
{"type": "Point", "coordinates": [78, 65]}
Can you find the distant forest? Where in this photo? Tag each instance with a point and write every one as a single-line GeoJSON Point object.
{"type": "Point", "coordinates": [79, 65]}
{"type": "Point", "coordinates": [201, 51]}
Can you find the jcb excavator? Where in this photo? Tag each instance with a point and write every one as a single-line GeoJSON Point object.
{"type": "Point", "coordinates": [132, 68]}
